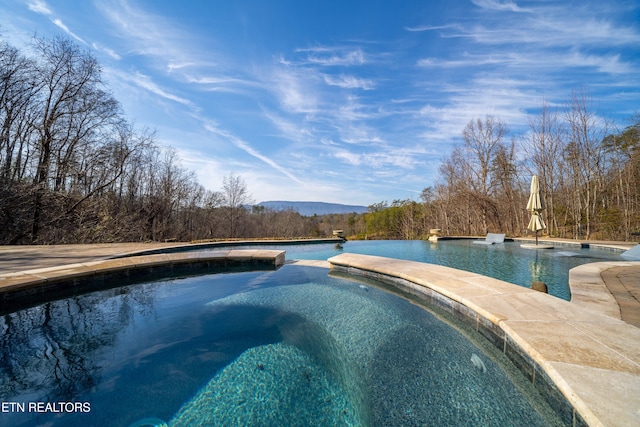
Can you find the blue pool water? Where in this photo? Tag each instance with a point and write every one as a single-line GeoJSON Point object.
{"type": "Point", "coordinates": [289, 347]}
{"type": "Point", "coordinates": [507, 261]}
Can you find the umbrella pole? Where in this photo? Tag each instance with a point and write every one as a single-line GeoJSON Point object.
{"type": "Point", "coordinates": [536, 237]}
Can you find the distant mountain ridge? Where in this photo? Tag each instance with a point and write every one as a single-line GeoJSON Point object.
{"type": "Point", "coordinates": [313, 208]}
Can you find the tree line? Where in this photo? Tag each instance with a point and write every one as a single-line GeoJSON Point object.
{"type": "Point", "coordinates": [74, 169]}
{"type": "Point", "coordinates": [588, 170]}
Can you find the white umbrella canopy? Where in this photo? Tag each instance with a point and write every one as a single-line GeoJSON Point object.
{"type": "Point", "coordinates": [536, 224]}
{"type": "Point", "coordinates": [535, 202]}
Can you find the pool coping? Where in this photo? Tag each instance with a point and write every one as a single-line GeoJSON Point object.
{"type": "Point", "coordinates": [29, 287]}
{"type": "Point", "coordinates": [17, 258]}
{"type": "Point", "coordinates": [589, 289]}
{"type": "Point", "coordinates": [587, 364]}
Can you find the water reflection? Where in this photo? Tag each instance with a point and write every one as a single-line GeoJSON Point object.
{"type": "Point", "coordinates": [537, 268]}
{"type": "Point", "coordinates": [119, 349]}
{"type": "Point", "coordinates": [56, 346]}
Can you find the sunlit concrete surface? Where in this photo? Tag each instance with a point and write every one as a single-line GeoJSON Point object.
{"type": "Point", "coordinates": [611, 288]}
{"type": "Point", "coordinates": [29, 257]}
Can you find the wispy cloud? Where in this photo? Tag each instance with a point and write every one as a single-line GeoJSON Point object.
{"type": "Point", "coordinates": [221, 83]}
{"type": "Point", "coordinates": [348, 157]}
{"type": "Point", "coordinates": [474, 60]}
{"type": "Point", "coordinates": [352, 110]}
{"type": "Point", "coordinates": [39, 6]}
{"type": "Point", "coordinates": [294, 89]}
{"type": "Point", "coordinates": [293, 131]}
{"type": "Point", "coordinates": [379, 162]}
{"type": "Point", "coordinates": [543, 61]}
{"type": "Point", "coordinates": [349, 82]}
{"type": "Point", "coordinates": [559, 31]}
{"type": "Point", "coordinates": [499, 5]}
{"type": "Point", "coordinates": [110, 52]}
{"type": "Point", "coordinates": [507, 99]}
{"type": "Point", "coordinates": [547, 25]}
{"type": "Point", "coordinates": [336, 56]}
{"type": "Point", "coordinates": [609, 63]}
{"type": "Point", "coordinates": [150, 34]}
{"type": "Point", "coordinates": [61, 25]}
{"type": "Point", "coordinates": [352, 133]}
{"type": "Point", "coordinates": [171, 49]}
{"type": "Point", "coordinates": [421, 28]}
{"type": "Point", "coordinates": [174, 66]}
{"type": "Point", "coordinates": [146, 82]}
{"type": "Point", "coordinates": [244, 146]}
{"type": "Point", "coordinates": [42, 8]}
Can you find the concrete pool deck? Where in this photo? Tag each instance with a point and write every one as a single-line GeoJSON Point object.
{"type": "Point", "coordinates": [591, 355]}
{"type": "Point", "coordinates": [28, 257]}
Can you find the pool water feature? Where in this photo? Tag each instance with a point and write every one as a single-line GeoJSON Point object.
{"type": "Point", "coordinates": [288, 347]}
{"type": "Point", "coordinates": [506, 261]}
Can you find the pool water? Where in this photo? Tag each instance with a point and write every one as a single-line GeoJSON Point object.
{"type": "Point", "coordinates": [506, 261]}
{"type": "Point", "coordinates": [295, 346]}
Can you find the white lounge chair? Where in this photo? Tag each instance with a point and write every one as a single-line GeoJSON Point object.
{"type": "Point", "coordinates": [633, 253]}
{"type": "Point", "coordinates": [491, 239]}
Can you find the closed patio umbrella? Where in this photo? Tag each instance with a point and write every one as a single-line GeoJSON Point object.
{"type": "Point", "coordinates": [535, 206]}
{"type": "Point", "coordinates": [535, 202]}
{"type": "Point", "coordinates": [536, 224]}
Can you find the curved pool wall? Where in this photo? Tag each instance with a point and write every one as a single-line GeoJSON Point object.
{"type": "Point", "coordinates": [587, 365]}
{"type": "Point", "coordinates": [27, 288]}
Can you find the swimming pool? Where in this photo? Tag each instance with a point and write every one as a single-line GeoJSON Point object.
{"type": "Point", "coordinates": [293, 346]}
{"type": "Point", "coordinates": [507, 261]}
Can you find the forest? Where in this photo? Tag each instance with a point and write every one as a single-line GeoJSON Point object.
{"type": "Point", "coordinates": [74, 169]}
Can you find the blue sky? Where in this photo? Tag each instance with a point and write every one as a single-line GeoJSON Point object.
{"type": "Point", "coordinates": [352, 102]}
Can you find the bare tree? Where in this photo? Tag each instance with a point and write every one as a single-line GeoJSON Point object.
{"type": "Point", "coordinates": [508, 193]}
{"type": "Point", "coordinates": [544, 145]}
{"type": "Point", "coordinates": [68, 90]}
{"type": "Point", "coordinates": [482, 143]}
{"type": "Point", "coordinates": [587, 155]}
{"type": "Point", "coordinates": [236, 198]}
{"type": "Point", "coordinates": [17, 90]}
